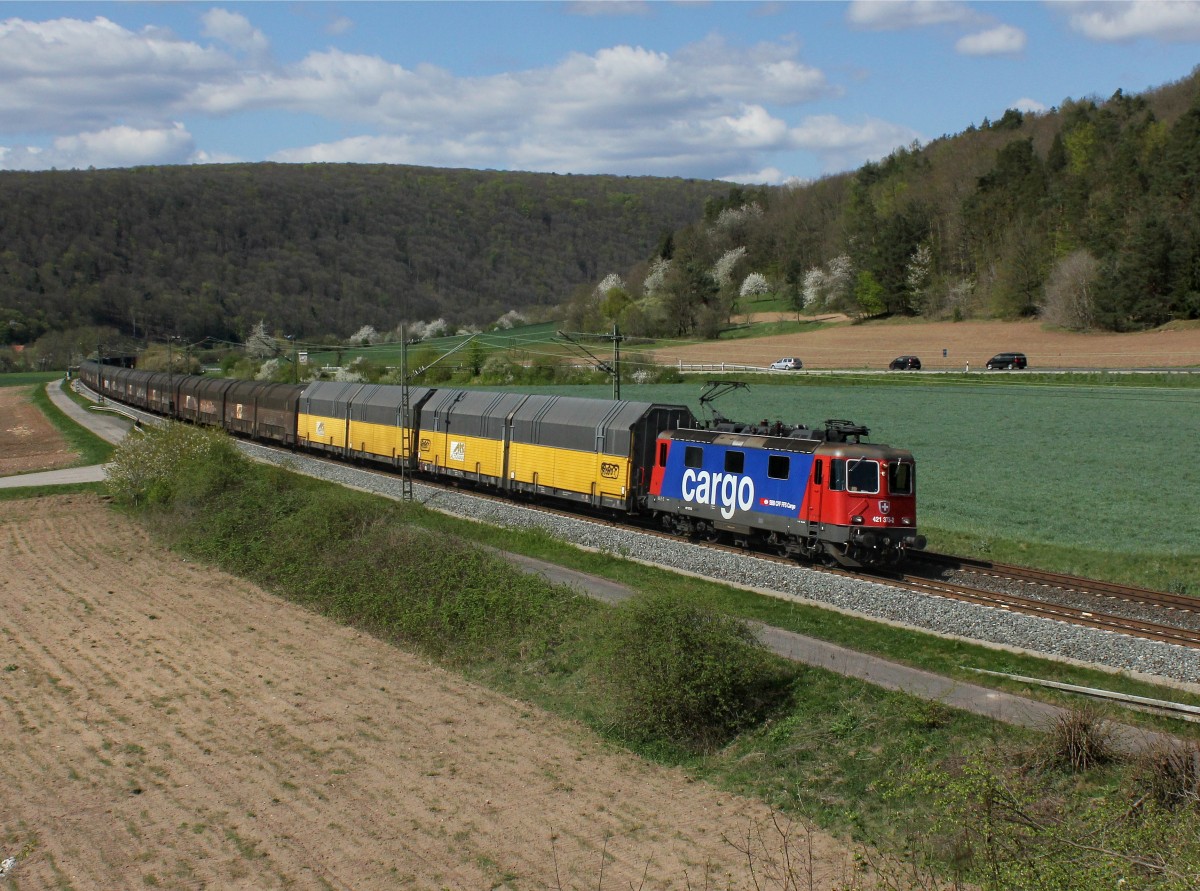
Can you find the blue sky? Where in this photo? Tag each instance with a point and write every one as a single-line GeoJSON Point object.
{"type": "Point", "coordinates": [758, 92]}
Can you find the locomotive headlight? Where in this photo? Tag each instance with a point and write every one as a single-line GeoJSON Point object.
{"type": "Point", "coordinates": [856, 519]}
{"type": "Point", "coordinates": [906, 521]}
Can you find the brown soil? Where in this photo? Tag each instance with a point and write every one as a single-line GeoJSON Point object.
{"type": "Point", "coordinates": [27, 440]}
{"type": "Point", "coordinates": [167, 725]}
{"type": "Point", "coordinates": [875, 344]}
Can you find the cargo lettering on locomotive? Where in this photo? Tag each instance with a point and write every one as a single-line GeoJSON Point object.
{"type": "Point", "coordinates": [728, 491]}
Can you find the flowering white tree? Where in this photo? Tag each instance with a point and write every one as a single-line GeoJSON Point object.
{"type": "Point", "coordinates": [840, 276]}
{"type": "Point", "coordinates": [814, 286]}
{"type": "Point", "coordinates": [916, 275]}
{"type": "Point", "coordinates": [426, 330]}
{"type": "Point", "coordinates": [510, 319]}
{"type": "Point", "coordinates": [731, 217]}
{"type": "Point", "coordinates": [260, 344]}
{"type": "Point", "coordinates": [145, 468]}
{"type": "Point", "coordinates": [365, 335]}
{"type": "Point", "coordinates": [653, 283]}
{"type": "Point", "coordinates": [722, 271]}
{"type": "Point", "coordinates": [829, 285]}
{"type": "Point", "coordinates": [754, 284]}
{"type": "Point", "coordinates": [610, 281]}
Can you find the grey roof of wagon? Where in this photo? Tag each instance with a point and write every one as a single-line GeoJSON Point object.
{"type": "Point", "coordinates": [328, 399]}
{"type": "Point", "coordinates": [572, 422]}
{"type": "Point", "coordinates": [380, 403]}
{"type": "Point", "coordinates": [470, 412]}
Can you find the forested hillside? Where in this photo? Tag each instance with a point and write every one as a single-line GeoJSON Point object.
{"type": "Point", "coordinates": [208, 251]}
{"type": "Point", "coordinates": [1087, 216]}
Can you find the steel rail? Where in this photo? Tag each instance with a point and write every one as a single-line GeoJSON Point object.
{"type": "Point", "coordinates": [1092, 587]}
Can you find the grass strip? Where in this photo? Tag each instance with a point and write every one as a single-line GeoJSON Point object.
{"type": "Point", "coordinates": [26, 378]}
{"type": "Point", "coordinates": [19, 492]}
{"type": "Point", "coordinates": [90, 447]}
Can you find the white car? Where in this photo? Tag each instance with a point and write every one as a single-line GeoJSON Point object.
{"type": "Point", "coordinates": [787, 365]}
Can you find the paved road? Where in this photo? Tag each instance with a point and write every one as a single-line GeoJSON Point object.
{"type": "Point", "coordinates": [108, 425]}
{"type": "Point", "coordinates": [957, 694]}
{"type": "Point", "coordinates": [92, 474]}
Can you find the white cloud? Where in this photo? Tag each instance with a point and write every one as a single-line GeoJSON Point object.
{"type": "Point", "coordinates": [897, 15]}
{"type": "Point", "coordinates": [999, 41]}
{"type": "Point", "coordinates": [340, 25]}
{"type": "Point", "coordinates": [767, 176]}
{"type": "Point", "coordinates": [235, 30]}
{"type": "Point", "coordinates": [708, 109]}
{"type": "Point", "coordinates": [67, 75]}
{"type": "Point", "coordinates": [1165, 20]}
{"type": "Point", "coordinates": [842, 145]}
{"type": "Point", "coordinates": [614, 85]}
{"type": "Point", "coordinates": [119, 146]}
{"type": "Point", "coordinates": [1031, 106]}
{"type": "Point", "coordinates": [620, 109]}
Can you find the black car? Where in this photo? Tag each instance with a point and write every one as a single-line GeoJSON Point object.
{"type": "Point", "coordinates": [1008, 361]}
{"type": "Point", "coordinates": [905, 363]}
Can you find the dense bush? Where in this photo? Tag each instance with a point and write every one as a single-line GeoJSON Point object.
{"type": "Point", "coordinates": [173, 463]}
{"type": "Point", "coordinates": [684, 673]}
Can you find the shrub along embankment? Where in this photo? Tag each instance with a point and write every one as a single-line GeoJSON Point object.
{"type": "Point", "coordinates": [675, 678]}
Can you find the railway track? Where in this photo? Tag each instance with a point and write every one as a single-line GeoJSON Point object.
{"type": "Point", "coordinates": [1060, 612]}
{"type": "Point", "coordinates": [1088, 587]}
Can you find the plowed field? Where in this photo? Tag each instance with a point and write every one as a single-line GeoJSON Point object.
{"type": "Point", "coordinates": [165, 725]}
{"type": "Point", "coordinates": [27, 440]}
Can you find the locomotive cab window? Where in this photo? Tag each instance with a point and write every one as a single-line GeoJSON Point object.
{"type": "Point", "coordinates": [735, 462]}
{"type": "Point", "coordinates": [693, 457]}
{"type": "Point", "coordinates": [837, 474]}
{"type": "Point", "coordinates": [778, 466]}
{"type": "Point", "coordinates": [662, 454]}
{"type": "Point", "coordinates": [900, 478]}
{"type": "Point", "coordinates": [819, 472]}
{"type": "Point", "coordinates": [862, 476]}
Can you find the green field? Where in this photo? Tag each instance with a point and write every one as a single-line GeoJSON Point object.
{"type": "Point", "coordinates": [1009, 468]}
{"type": "Point", "coordinates": [524, 341]}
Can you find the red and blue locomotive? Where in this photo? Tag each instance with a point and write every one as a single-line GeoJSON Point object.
{"type": "Point", "coordinates": [814, 494]}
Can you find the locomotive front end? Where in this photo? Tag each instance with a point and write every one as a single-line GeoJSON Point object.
{"type": "Point", "coordinates": [869, 509]}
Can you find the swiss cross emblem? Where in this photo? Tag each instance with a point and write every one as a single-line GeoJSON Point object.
{"type": "Point", "coordinates": [885, 506]}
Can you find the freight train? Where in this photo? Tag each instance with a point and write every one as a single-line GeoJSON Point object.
{"type": "Point", "coordinates": [813, 493]}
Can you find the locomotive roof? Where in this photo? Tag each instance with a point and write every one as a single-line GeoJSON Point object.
{"type": "Point", "coordinates": [745, 440]}
{"type": "Point", "coordinates": [787, 444]}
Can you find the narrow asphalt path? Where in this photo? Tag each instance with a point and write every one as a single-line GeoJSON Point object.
{"type": "Point", "coordinates": [108, 425]}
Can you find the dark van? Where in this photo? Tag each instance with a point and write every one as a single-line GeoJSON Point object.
{"type": "Point", "coordinates": [1007, 361]}
{"type": "Point", "coordinates": [905, 363]}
